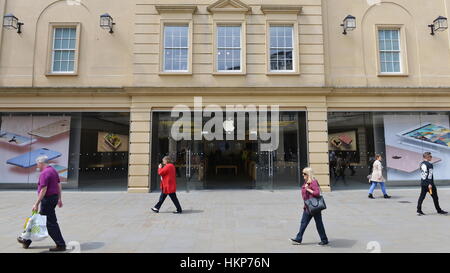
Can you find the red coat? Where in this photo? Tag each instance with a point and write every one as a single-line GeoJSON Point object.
{"type": "Point", "coordinates": [169, 180]}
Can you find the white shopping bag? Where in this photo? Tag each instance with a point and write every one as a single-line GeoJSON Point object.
{"type": "Point", "coordinates": [36, 228]}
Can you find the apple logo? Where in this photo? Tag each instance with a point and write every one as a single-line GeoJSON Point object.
{"type": "Point", "coordinates": [228, 126]}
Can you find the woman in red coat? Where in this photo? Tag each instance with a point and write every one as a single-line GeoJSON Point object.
{"type": "Point", "coordinates": [168, 185]}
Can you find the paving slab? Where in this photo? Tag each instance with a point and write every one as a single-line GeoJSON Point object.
{"type": "Point", "coordinates": [233, 221]}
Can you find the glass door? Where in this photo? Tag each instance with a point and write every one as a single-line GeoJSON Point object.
{"type": "Point", "coordinates": [187, 155]}
{"type": "Point", "coordinates": [265, 169]}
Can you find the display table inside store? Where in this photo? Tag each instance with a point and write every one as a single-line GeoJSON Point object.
{"type": "Point", "coordinates": [227, 167]}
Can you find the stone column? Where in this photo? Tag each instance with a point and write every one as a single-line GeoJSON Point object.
{"type": "Point", "coordinates": [139, 162]}
{"type": "Point", "coordinates": [318, 145]}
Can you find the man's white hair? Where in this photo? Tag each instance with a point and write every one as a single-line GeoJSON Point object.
{"type": "Point", "coordinates": [42, 159]}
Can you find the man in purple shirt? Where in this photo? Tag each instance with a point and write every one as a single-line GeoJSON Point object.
{"type": "Point", "coordinates": [49, 196]}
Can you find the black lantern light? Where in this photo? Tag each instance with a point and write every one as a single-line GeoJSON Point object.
{"type": "Point", "coordinates": [12, 22]}
{"type": "Point", "coordinates": [349, 24]}
{"type": "Point", "coordinates": [107, 22]}
{"type": "Point", "coordinates": [439, 24]}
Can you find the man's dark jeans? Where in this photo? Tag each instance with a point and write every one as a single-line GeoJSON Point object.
{"type": "Point", "coordinates": [174, 198]}
{"type": "Point", "coordinates": [434, 195]}
{"type": "Point", "coordinates": [306, 218]}
{"type": "Point", "coordinates": [48, 205]}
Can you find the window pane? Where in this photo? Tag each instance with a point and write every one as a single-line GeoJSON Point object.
{"type": "Point", "coordinates": [66, 33]}
{"type": "Point", "coordinates": [57, 44]}
{"type": "Point", "coordinates": [396, 57]}
{"type": "Point", "coordinates": [396, 44]}
{"type": "Point", "coordinates": [383, 67]}
{"type": "Point", "coordinates": [274, 65]}
{"type": "Point", "coordinates": [387, 35]}
{"type": "Point", "coordinates": [381, 45]}
{"type": "Point", "coordinates": [71, 66]}
{"type": "Point", "coordinates": [56, 66]}
{"type": "Point", "coordinates": [289, 40]}
{"type": "Point", "coordinates": [176, 48]}
{"type": "Point", "coordinates": [58, 33]}
{"type": "Point", "coordinates": [221, 65]}
{"type": "Point", "coordinates": [72, 44]}
{"type": "Point", "coordinates": [396, 67]}
{"type": "Point", "coordinates": [281, 48]}
{"type": "Point", "coordinates": [64, 66]}
{"type": "Point", "coordinates": [395, 34]}
{"type": "Point", "coordinates": [57, 56]}
{"type": "Point", "coordinates": [388, 45]}
{"type": "Point", "coordinates": [289, 65]}
{"type": "Point", "coordinates": [73, 33]}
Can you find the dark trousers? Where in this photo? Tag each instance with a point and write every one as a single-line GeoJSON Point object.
{"type": "Point", "coordinates": [172, 196]}
{"type": "Point", "coordinates": [48, 205]}
{"type": "Point", "coordinates": [306, 218]}
{"type": "Point", "coordinates": [434, 195]}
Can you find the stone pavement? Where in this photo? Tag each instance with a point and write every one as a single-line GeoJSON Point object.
{"type": "Point", "coordinates": [233, 221]}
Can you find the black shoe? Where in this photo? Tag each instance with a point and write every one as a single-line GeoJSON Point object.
{"type": "Point", "coordinates": [323, 243]}
{"type": "Point", "coordinates": [155, 210]}
{"type": "Point", "coordinates": [25, 243]}
{"type": "Point", "coordinates": [386, 196]}
{"type": "Point", "coordinates": [371, 196]}
{"type": "Point", "coordinates": [58, 249]}
{"type": "Point", "coordinates": [177, 212]}
{"type": "Point", "coordinates": [420, 213]}
{"type": "Point", "coordinates": [295, 242]}
{"type": "Point", "coordinates": [442, 212]}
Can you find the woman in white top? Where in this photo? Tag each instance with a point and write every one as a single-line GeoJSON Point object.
{"type": "Point", "coordinates": [377, 177]}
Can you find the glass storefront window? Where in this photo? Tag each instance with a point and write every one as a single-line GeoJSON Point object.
{"type": "Point", "coordinates": [230, 164]}
{"type": "Point", "coordinates": [80, 146]}
{"type": "Point", "coordinates": [399, 137]}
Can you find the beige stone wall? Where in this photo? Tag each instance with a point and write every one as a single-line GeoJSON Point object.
{"type": "Point", "coordinates": [104, 61]}
{"type": "Point", "coordinates": [351, 60]}
{"type": "Point", "coordinates": [147, 48]}
{"type": "Point", "coordinates": [164, 99]}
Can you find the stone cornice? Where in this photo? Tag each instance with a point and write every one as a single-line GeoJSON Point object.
{"type": "Point", "coordinates": [232, 91]}
{"type": "Point", "coordinates": [176, 8]}
{"type": "Point", "coordinates": [60, 91]}
{"type": "Point", "coordinates": [281, 9]}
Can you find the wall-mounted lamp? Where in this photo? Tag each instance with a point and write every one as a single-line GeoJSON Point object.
{"type": "Point", "coordinates": [107, 22]}
{"type": "Point", "coordinates": [349, 24]}
{"type": "Point", "coordinates": [12, 22]}
{"type": "Point", "coordinates": [439, 24]}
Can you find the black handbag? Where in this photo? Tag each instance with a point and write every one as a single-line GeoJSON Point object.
{"type": "Point", "coordinates": [316, 204]}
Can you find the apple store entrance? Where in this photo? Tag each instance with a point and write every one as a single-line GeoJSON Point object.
{"type": "Point", "coordinates": [231, 164]}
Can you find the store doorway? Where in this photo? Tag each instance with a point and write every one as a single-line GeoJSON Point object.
{"type": "Point", "coordinates": [231, 164]}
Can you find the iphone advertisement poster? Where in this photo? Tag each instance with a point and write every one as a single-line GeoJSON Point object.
{"type": "Point", "coordinates": [407, 137]}
{"type": "Point", "coordinates": [25, 138]}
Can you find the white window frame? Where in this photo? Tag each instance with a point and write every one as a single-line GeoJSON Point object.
{"type": "Point", "coordinates": [243, 44]}
{"type": "Point", "coordinates": [51, 49]}
{"type": "Point", "coordinates": [217, 49]}
{"type": "Point", "coordinates": [402, 50]}
{"type": "Point", "coordinates": [295, 65]}
{"type": "Point", "coordinates": [186, 23]}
